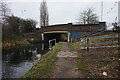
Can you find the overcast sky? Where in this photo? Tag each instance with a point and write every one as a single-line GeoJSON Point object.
{"type": "Point", "coordinates": [63, 11]}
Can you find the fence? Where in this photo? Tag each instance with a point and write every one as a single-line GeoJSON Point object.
{"type": "Point", "coordinates": [100, 41]}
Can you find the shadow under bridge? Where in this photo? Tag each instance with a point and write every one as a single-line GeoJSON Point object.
{"type": "Point", "coordinates": [60, 36]}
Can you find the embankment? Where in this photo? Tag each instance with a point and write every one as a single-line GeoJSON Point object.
{"type": "Point", "coordinates": [43, 67]}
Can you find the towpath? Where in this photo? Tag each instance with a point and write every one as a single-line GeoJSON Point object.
{"type": "Point", "coordinates": [65, 66]}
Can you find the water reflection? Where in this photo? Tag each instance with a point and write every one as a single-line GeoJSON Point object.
{"type": "Point", "coordinates": [42, 46]}
{"type": "Point", "coordinates": [16, 70]}
{"type": "Point", "coordinates": [17, 62]}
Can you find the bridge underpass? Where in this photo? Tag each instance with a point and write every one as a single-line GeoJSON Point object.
{"type": "Point", "coordinates": [60, 36]}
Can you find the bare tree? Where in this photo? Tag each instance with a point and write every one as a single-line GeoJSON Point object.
{"type": "Point", "coordinates": [88, 17]}
{"type": "Point", "coordinates": [4, 11]}
{"type": "Point", "coordinates": [44, 16]}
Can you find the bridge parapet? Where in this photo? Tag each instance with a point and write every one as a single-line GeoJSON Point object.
{"type": "Point", "coordinates": [74, 32]}
{"type": "Point", "coordinates": [75, 28]}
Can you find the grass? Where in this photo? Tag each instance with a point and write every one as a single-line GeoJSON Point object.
{"type": "Point", "coordinates": [80, 64]}
{"type": "Point", "coordinates": [14, 40]}
{"type": "Point", "coordinates": [0, 44]}
{"type": "Point", "coordinates": [92, 65]}
{"type": "Point", "coordinates": [43, 67]}
{"type": "Point", "coordinates": [12, 44]}
{"type": "Point", "coordinates": [74, 46]}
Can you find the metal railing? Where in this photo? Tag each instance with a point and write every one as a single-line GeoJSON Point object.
{"type": "Point", "coordinates": [50, 45]}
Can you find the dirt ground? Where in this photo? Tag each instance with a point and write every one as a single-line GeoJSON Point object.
{"type": "Point", "coordinates": [65, 67]}
{"type": "Point", "coordinates": [100, 61]}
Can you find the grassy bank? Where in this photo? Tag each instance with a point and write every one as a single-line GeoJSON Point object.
{"type": "Point", "coordinates": [22, 39]}
{"type": "Point", "coordinates": [95, 62]}
{"type": "Point", "coordinates": [80, 63]}
{"type": "Point", "coordinates": [14, 43]}
{"type": "Point", "coordinates": [74, 46]}
{"type": "Point", "coordinates": [99, 61]}
{"type": "Point", "coordinates": [0, 44]}
{"type": "Point", "coordinates": [42, 68]}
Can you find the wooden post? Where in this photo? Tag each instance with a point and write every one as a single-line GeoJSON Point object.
{"type": "Point", "coordinates": [87, 44]}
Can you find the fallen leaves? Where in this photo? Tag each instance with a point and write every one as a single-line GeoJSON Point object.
{"type": "Point", "coordinates": [100, 63]}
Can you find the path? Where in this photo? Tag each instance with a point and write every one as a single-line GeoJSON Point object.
{"type": "Point", "coordinates": [65, 66]}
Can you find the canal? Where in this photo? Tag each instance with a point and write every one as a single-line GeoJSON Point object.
{"type": "Point", "coordinates": [18, 61]}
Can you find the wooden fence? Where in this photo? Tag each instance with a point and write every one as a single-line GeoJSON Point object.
{"type": "Point", "coordinates": [103, 41]}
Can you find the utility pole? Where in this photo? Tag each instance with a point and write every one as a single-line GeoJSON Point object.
{"type": "Point", "coordinates": [101, 10]}
{"type": "Point", "coordinates": [119, 13]}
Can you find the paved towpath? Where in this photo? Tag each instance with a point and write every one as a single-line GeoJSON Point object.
{"type": "Point", "coordinates": [65, 66]}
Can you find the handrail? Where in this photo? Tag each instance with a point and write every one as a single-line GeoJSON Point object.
{"type": "Point", "coordinates": [50, 42]}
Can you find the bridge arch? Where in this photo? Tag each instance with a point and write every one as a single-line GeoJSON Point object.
{"type": "Point", "coordinates": [55, 34]}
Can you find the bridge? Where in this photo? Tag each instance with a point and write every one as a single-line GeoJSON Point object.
{"type": "Point", "coordinates": [71, 31]}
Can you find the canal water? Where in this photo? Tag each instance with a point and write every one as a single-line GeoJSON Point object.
{"type": "Point", "coordinates": [18, 61]}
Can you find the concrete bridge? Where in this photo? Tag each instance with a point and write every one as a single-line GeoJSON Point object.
{"type": "Point", "coordinates": [72, 31]}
